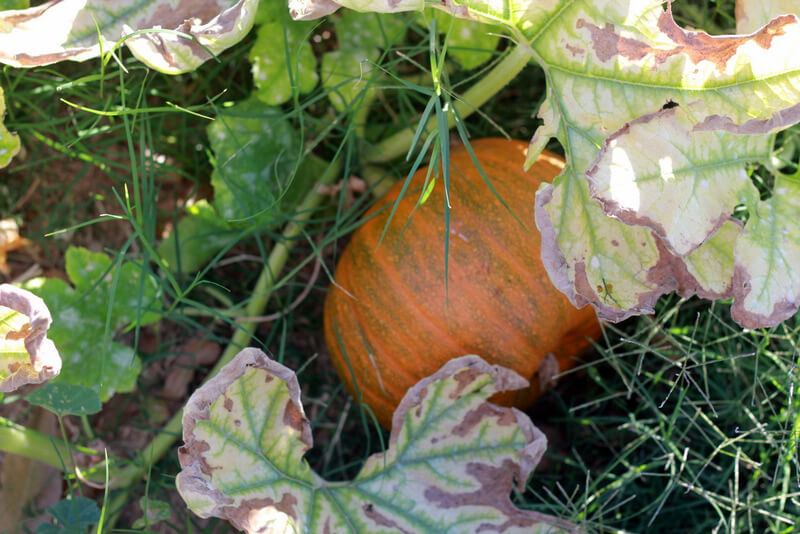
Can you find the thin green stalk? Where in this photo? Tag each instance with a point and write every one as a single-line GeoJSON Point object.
{"type": "Point", "coordinates": [488, 86]}
{"type": "Point", "coordinates": [165, 440]}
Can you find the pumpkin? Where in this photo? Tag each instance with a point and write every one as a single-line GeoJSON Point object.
{"type": "Point", "coordinates": [390, 318]}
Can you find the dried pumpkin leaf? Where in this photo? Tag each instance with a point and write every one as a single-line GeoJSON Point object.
{"type": "Point", "coordinates": [27, 356]}
{"type": "Point", "coordinates": [452, 459]}
{"type": "Point", "coordinates": [663, 182]}
{"type": "Point", "coordinates": [91, 357]}
{"type": "Point", "coordinates": [752, 14]}
{"type": "Point", "coordinates": [169, 36]}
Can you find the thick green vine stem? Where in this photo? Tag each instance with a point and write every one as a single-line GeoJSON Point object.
{"type": "Point", "coordinates": [477, 95]}
{"type": "Point", "coordinates": [29, 443]}
{"type": "Point", "coordinates": [164, 441]}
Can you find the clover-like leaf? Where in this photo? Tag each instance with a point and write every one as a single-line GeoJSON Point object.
{"type": "Point", "coordinates": [66, 399]}
{"type": "Point", "coordinates": [451, 463]}
{"type": "Point", "coordinates": [282, 58]}
{"type": "Point", "coordinates": [167, 36]}
{"type": "Point", "coordinates": [73, 515]}
{"type": "Point", "coordinates": [105, 299]}
{"type": "Point", "coordinates": [27, 356]}
{"type": "Point", "coordinates": [259, 174]}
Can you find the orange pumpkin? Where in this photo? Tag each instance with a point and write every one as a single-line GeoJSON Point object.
{"type": "Point", "coordinates": [389, 321]}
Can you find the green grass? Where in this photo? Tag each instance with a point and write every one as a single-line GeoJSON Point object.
{"type": "Point", "coordinates": [680, 422]}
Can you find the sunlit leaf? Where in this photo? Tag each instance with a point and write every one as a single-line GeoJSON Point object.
{"type": "Point", "coordinates": [282, 59]}
{"type": "Point", "coordinates": [175, 36]}
{"type": "Point", "coordinates": [752, 14]}
{"type": "Point", "coordinates": [451, 462]}
{"type": "Point", "coordinates": [197, 237]}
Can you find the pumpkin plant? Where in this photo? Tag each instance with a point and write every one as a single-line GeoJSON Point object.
{"type": "Point", "coordinates": [398, 311]}
{"type": "Point", "coordinates": [660, 126]}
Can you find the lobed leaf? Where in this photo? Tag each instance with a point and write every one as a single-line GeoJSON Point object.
{"type": "Point", "coordinates": [27, 356]}
{"type": "Point", "coordinates": [452, 458]}
{"type": "Point", "coordinates": [101, 296]}
{"type": "Point", "coordinates": [346, 72]}
{"type": "Point", "coordinates": [282, 61]}
{"type": "Point", "coordinates": [167, 35]}
{"type": "Point", "coordinates": [259, 175]}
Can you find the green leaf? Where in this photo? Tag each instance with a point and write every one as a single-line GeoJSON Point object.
{"type": "Point", "coordinates": [66, 399]}
{"type": "Point", "coordinates": [13, 4]}
{"type": "Point", "coordinates": [74, 515]}
{"type": "Point", "coordinates": [9, 142]}
{"type": "Point", "coordinates": [27, 356]}
{"type": "Point", "coordinates": [470, 43]}
{"type": "Point", "coordinates": [155, 511]}
{"type": "Point", "coordinates": [197, 237]}
{"type": "Point", "coordinates": [91, 357]}
{"type": "Point", "coordinates": [175, 38]}
{"type": "Point", "coordinates": [258, 176]}
{"type": "Point", "coordinates": [279, 47]}
{"type": "Point", "coordinates": [346, 72]}
{"type": "Point", "coordinates": [451, 463]}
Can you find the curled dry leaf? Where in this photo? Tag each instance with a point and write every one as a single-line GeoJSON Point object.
{"type": "Point", "coordinates": [26, 355]}
{"type": "Point", "coordinates": [9, 240]}
{"type": "Point", "coordinates": [452, 459]}
{"type": "Point", "coordinates": [176, 35]}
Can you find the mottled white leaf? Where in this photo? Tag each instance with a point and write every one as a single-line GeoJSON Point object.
{"type": "Point", "coordinates": [683, 184]}
{"type": "Point", "coordinates": [26, 355]}
{"type": "Point", "coordinates": [766, 282]}
{"type": "Point", "coordinates": [177, 35]}
{"type": "Point", "coordinates": [451, 462]}
{"type": "Point", "coordinates": [752, 14]}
